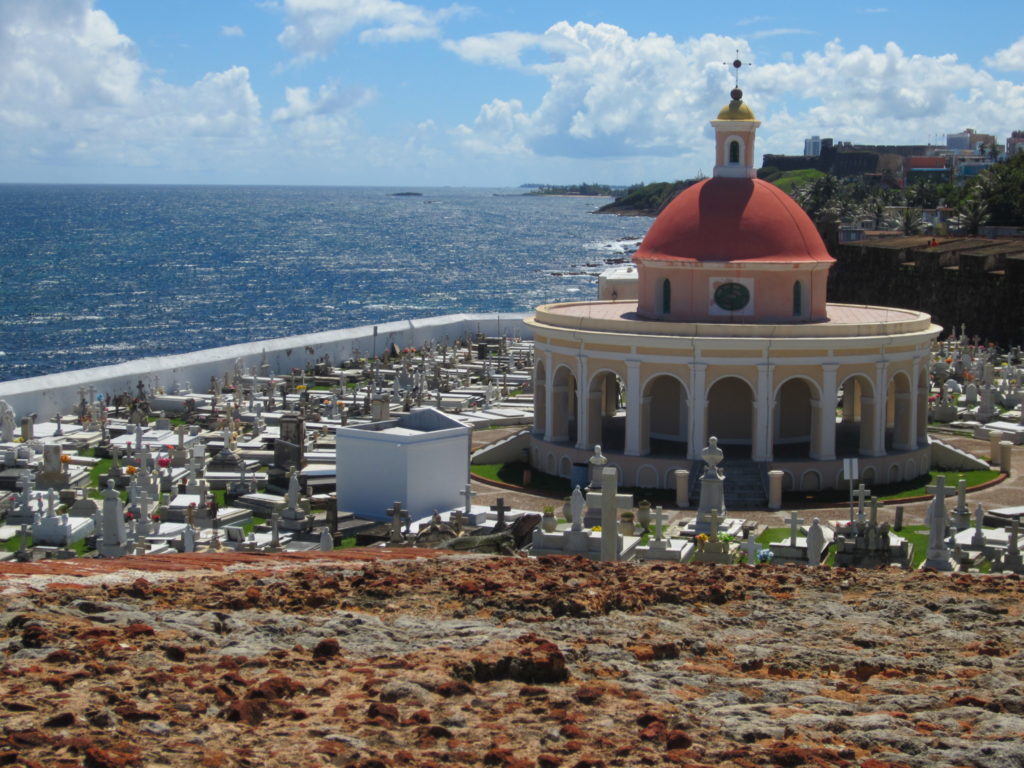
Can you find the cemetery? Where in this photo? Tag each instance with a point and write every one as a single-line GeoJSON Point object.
{"type": "Point", "coordinates": [729, 428]}
{"type": "Point", "coordinates": [746, 528]}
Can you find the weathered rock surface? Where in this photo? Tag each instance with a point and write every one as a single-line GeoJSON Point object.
{"type": "Point", "coordinates": [514, 662]}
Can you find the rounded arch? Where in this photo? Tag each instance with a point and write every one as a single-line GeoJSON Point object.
{"type": "Point", "coordinates": [894, 474]}
{"type": "Point", "coordinates": [730, 411]}
{"type": "Point", "coordinates": [562, 419]}
{"type": "Point", "coordinates": [647, 477]}
{"type": "Point", "coordinates": [855, 432]}
{"type": "Point", "coordinates": [551, 466]}
{"type": "Point", "coordinates": [810, 481]}
{"type": "Point", "coordinates": [665, 298]}
{"type": "Point", "coordinates": [670, 476]}
{"type": "Point", "coordinates": [606, 410]}
{"type": "Point", "coordinates": [867, 476]}
{"type": "Point", "coordinates": [794, 433]}
{"type": "Point", "coordinates": [565, 467]}
{"type": "Point", "coordinates": [665, 415]}
{"type": "Point", "coordinates": [901, 431]}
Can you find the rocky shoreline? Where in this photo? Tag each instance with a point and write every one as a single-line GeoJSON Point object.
{"type": "Point", "coordinates": [512, 662]}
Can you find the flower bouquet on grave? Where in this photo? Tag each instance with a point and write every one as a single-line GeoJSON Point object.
{"type": "Point", "coordinates": [701, 539]}
{"type": "Point", "coordinates": [164, 462]}
{"type": "Point", "coordinates": [131, 469]}
{"type": "Point", "coordinates": [764, 556]}
{"type": "Point", "coordinates": [128, 516]}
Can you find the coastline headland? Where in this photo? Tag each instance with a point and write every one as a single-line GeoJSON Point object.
{"type": "Point", "coordinates": [48, 395]}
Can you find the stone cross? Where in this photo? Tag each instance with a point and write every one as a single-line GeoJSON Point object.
{"type": "Point", "coordinates": [500, 509]}
{"type": "Point", "coordinates": [468, 493]}
{"type": "Point", "coordinates": [576, 505]}
{"type": "Point", "coordinates": [611, 502]}
{"type": "Point", "coordinates": [794, 527]}
{"type": "Point", "coordinates": [659, 522]}
{"type": "Point", "coordinates": [751, 547]}
{"type": "Point", "coordinates": [939, 491]}
{"type": "Point", "coordinates": [874, 512]}
{"type": "Point", "coordinates": [397, 516]}
{"type": "Point", "coordinates": [860, 495]}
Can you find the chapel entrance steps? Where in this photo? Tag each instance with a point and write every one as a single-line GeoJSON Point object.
{"type": "Point", "coordinates": [746, 483]}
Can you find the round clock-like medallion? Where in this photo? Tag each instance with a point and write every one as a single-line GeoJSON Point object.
{"type": "Point", "coordinates": [732, 297]}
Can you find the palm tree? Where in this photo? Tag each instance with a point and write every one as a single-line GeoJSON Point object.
{"type": "Point", "coordinates": [971, 215]}
{"type": "Point", "coordinates": [910, 221]}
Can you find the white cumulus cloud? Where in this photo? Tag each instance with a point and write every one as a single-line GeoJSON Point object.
{"type": "Point", "coordinates": [314, 26]}
{"type": "Point", "coordinates": [1011, 58]}
{"type": "Point", "coordinates": [72, 87]}
{"type": "Point", "coordinates": [610, 94]}
{"type": "Point", "coordinates": [232, 31]}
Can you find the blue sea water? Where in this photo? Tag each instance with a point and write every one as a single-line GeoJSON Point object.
{"type": "Point", "coordinates": [94, 275]}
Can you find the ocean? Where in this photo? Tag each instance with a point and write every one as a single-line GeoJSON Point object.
{"type": "Point", "coordinates": [94, 275]}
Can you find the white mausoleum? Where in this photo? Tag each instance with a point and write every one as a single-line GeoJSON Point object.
{"type": "Point", "coordinates": [730, 335]}
{"type": "Point", "coordinates": [420, 459]}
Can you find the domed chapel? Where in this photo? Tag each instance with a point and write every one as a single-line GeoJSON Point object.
{"type": "Point", "coordinates": [731, 336]}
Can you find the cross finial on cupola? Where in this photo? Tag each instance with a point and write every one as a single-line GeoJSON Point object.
{"type": "Point", "coordinates": [736, 65]}
{"type": "Point", "coordinates": [735, 128]}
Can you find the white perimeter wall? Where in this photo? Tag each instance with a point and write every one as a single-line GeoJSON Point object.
{"type": "Point", "coordinates": [58, 392]}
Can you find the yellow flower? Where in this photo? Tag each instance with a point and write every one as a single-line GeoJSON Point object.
{"type": "Point", "coordinates": [702, 538]}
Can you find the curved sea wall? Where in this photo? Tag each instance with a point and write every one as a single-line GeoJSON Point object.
{"type": "Point", "coordinates": [46, 396]}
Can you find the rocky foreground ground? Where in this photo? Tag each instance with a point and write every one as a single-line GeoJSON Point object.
{"type": "Point", "coordinates": [512, 662]}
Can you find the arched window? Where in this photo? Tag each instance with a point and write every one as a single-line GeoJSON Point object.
{"type": "Point", "coordinates": [734, 151]}
{"type": "Point", "coordinates": [666, 297]}
{"type": "Point", "coordinates": [798, 304]}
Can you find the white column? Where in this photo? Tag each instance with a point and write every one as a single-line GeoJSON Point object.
{"type": "Point", "coordinates": [698, 409]}
{"type": "Point", "coordinates": [762, 443]}
{"type": "Point", "coordinates": [582, 406]}
{"type": "Point", "coordinates": [915, 373]}
{"type": "Point", "coordinates": [542, 429]}
{"type": "Point", "coordinates": [919, 408]}
{"type": "Point", "coordinates": [634, 410]}
{"type": "Point", "coordinates": [826, 425]}
{"type": "Point", "coordinates": [881, 408]}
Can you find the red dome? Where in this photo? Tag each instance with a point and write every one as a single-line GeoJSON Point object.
{"type": "Point", "coordinates": [724, 219]}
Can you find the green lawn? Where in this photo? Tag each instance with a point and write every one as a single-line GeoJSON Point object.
{"type": "Point", "coordinates": [905, 490]}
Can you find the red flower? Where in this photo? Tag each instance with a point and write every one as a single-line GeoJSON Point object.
{"type": "Point", "coordinates": [164, 461]}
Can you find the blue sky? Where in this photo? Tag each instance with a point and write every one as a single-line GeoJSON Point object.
{"type": "Point", "coordinates": [361, 92]}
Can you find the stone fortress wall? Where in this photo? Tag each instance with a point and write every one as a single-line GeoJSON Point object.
{"type": "Point", "coordinates": [59, 392]}
{"type": "Point", "coordinates": [975, 282]}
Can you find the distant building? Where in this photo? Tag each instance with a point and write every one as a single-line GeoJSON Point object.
{"type": "Point", "coordinates": [812, 146]}
{"type": "Point", "coordinates": [1015, 143]}
{"type": "Point", "coordinates": [925, 169]}
{"type": "Point", "coordinates": [970, 139]}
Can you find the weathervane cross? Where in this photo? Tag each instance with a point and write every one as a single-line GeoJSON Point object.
{"type": "Point", "coordinates": [736, 64]}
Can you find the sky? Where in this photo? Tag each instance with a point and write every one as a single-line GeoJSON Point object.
{"type": "Point", "coordinates": [485, 93]}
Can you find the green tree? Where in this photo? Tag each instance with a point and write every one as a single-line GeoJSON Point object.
{"type": "Point", "coordinates": [971, 215]}
{"type": "Point", "coordinates": [1001, 187]}
{"type": "Point", "coordinates": [910, 221]}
